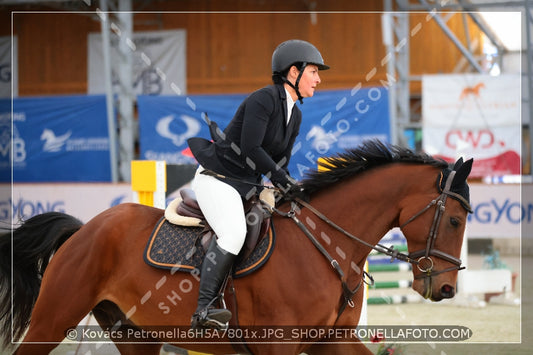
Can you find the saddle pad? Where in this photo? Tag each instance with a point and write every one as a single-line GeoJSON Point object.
{"type": "Point", "coordinates": [178, 248]}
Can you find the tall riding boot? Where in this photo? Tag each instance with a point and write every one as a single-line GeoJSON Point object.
{"type": "Point", "coordinates": [215, 267]}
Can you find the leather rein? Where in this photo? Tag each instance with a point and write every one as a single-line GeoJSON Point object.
{"type": "Point", "coordinates": [417, 258]}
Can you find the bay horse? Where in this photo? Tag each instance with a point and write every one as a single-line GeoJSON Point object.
{"type": "Point", "coordinates": [363, 193]}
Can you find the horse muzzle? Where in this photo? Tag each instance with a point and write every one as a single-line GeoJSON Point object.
{"type": "Point", "coordinates": [428, 285]}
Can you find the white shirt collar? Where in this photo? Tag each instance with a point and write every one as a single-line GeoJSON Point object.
{"type": "Point", "coordinates": [290, 105]}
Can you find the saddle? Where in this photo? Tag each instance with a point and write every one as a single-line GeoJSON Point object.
{"type": "Point", "coordinates": [180, 239]}
{"type": "Point", "coordinates": [257, 220]}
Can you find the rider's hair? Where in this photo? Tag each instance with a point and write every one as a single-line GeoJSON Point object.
{"type": "Point", "coordinates": [277, 77]}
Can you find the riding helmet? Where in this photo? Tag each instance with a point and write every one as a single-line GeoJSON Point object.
{"type": "Point", "coordinates": [295, 51]}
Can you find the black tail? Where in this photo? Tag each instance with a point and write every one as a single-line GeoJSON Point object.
{"type": "Point", "coordinates": [30, 246]}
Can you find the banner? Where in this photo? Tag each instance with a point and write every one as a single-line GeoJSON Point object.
{"type": "Point", "coordinates": [55, 139]}
{"type": "Point", "coordinates": [332, 122]}
{"type": "Point", "coordinates": [8, 68]}
{"type": "Point", "coordinates": [474, 115]}
{"type": "Point", "coordinates": [499, 210]}
{"type": "Point", "coordinates": [83, 201]}
{"type": "Point", "coordinates": [159, 63]}
{"type": "Point", "coordinates": [5, 140]}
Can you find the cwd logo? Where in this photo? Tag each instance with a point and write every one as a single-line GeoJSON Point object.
{"type": "Point", "coordinates": [53, 143]}
{"type": "Point", "coordinates": [483, 139]}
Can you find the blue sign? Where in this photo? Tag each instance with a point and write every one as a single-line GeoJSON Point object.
{"type": "Point", "coordinates": [333, 121]}
{"type": "Point", "coordinates": [5, 140]}
{"type": "Point", "coordinates": [55, 139]}
{"type": "Point", "coordinates": [166, 122]}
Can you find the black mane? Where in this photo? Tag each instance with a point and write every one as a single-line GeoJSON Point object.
{"type": "Point", "coordinates": [369, 155]}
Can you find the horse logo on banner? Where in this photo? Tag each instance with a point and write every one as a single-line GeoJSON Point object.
{"type": "Point", "coordinates": [53, 143]}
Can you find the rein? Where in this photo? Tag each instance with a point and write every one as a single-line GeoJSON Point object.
{"type": "Point", "coordinates": [417, 258]}
{"type": "Point", "coordinates": [347, 293]}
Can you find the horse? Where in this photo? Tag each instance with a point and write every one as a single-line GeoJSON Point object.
{"type": "Point", "coordinates": [63, 269]}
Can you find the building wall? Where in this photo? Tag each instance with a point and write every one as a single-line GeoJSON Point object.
{"type": "Point", "coordinates": [231, 52]}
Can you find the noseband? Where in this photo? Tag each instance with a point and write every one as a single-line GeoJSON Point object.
{"type": "Point", "coordinates": [423, 257]}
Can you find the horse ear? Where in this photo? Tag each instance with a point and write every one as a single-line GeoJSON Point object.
{"type": "Point", "coordinates": [458, 164]}
{"type": "Point", "coordinates": [463, 169]}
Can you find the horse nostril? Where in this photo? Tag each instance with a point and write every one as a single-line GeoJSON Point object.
{"type": "Point", "coordinates": [447, 291]}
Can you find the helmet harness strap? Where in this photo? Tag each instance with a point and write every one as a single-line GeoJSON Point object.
{"type": "Point", "coordinates": [295, 85]}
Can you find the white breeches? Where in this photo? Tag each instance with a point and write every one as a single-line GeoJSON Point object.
{"type": "Point", "coordinates": [223, 209]}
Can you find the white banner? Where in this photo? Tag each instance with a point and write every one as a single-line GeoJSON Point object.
{"type": "Point", "coordinates": [500, 210]}
{"type": "Point", "coordinates": [8, 73]}
{"type": "Point", "coordinates": [473, 115]}
{"type": "Point", "coordinates": [159, 63]}
{"type": "Point", "coordinates": [83, 201]}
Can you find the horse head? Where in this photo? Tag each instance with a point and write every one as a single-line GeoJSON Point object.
{"type": "Point", "coordinates": [392, 187]}
{"type": "Point", "coordinates": [435, 231]}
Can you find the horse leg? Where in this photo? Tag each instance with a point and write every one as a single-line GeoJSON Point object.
{"type": "Point", "coordinates": [344, 344]}
{"type": "Point", "coordinates": [69, 290]}
{"type": "Point", "coordinates": [110, 317]}
{"type": "Point", "coordinates": [62, 303]}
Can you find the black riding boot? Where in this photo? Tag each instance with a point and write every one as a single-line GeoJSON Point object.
{"type": "Point", "coordinates": [215, 267]}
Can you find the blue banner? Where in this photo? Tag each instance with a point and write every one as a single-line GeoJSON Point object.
{"type": "Point", "coordinates": [5, 140]}
{"type": "Point", "coordinates": [333, 121]}
{"type": "Point", "coordinates": [55, 139]}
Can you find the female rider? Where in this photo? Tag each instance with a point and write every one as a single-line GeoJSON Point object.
{"type": "Point", "coordinates": [256, 143]}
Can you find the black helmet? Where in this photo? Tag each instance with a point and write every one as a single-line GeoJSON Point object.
{"type": "Point", "coordinates": [296, 51]}
{"type": "Point", "coordinates": [291, 52]}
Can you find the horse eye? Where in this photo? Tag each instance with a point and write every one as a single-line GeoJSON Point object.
{"type": "Point", "coordinates": [454, 221]}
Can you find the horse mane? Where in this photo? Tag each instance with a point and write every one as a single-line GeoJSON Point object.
{"type": "Point", "coordinates": [370, 154]}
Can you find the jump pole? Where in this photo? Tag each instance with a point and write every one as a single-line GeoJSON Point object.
{"type": "Point", "coordinates": [149, 182]}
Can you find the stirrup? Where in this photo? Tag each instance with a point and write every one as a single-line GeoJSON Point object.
{"type": "Point", "coordinates": [211, 318]}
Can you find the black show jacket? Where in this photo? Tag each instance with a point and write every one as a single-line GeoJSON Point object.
{"type": "Point", "coordinates": [256, 142]}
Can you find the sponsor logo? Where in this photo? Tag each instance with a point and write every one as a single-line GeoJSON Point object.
{"type": "Point", "coordinates": [471, 91]}
{"type": "Point", "coordinates": [167, 126]}
{"type": "Point", "coordinates": [53, 143]}
{"type": "Point", "coordinates": [483, 139]}
{"type": "Point", "coordinates": [321, 138]}
{"type": "Point", "coordinates": [63, 142]}
{"type": "Point", "coordinates": [23, 209]}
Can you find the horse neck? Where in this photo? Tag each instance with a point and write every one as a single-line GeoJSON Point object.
{"type": "Point", "coordinates": [367, 205]}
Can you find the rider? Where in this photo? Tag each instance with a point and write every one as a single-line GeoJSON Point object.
{"type": "Point", "coordinates": [258, 141]}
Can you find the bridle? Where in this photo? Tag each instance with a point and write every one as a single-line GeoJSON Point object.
{"type": "Point", "coordinates": [417, 258]}
{"type": "Point", "coordinates": [424, 256]}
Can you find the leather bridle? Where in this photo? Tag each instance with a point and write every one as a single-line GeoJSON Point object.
{"type": "Point", "coordinates": [423, 257]}
{"type": "Point", "coordinates": [417, 258]}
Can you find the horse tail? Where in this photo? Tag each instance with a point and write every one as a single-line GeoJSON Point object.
{"type": "Point", "coordinates": [25, 252]}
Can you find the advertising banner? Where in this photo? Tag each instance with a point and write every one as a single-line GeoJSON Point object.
{"type": "Point", "coordinates": [332, 122]}
{"type": "Point", "coordinates": [83, 201]}
{"type": "Point", "coordinates": [159, 62]}
{"type": "Point", "coordinates": [500, 210]}
{"type": "Point", "coordinates": [55, 139]}
{"type": "Point", "coordinates": [8, 68]}
{"type": "Point", "coordinates": [474, 115]}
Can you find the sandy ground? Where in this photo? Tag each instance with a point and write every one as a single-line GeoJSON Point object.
{"type": "Point", "coordinates": [497, 327]}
